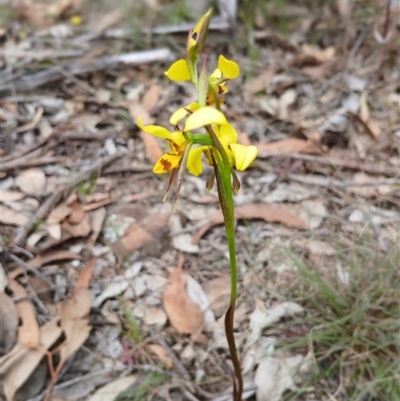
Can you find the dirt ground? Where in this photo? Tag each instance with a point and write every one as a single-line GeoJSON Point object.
{"type": "Point", "coordinates": [106, 294]}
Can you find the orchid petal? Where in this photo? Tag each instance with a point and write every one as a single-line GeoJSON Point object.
{"type": "Point", "coordinates": [155, 130]}
{"type": "Point", "coordinates": [228, 68]}
{"type": "Point", "coordinates": [166, 163]}
{"type": "Point", "coordinates": [182, 112]}
{"type": "Point", "coordinates": [227, 134]}
{"type": "Point", "coordinates": [243, 155]}
{"type": "Point", "coordinates": [178, 71]}
{"type": "Point", "coordinates": [194, 163]}
{"type": "Point", "coordinates": [204, 116]}
{"type": "Point", "coordinates": [216, 75]}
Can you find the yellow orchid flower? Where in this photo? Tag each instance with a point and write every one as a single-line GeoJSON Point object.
{"type": "Point", "coordinates": [178, 144]}
{"type": "Point", "coordinates": [240, 156]}
{"type": "Point", "coordinates": [227, 69]}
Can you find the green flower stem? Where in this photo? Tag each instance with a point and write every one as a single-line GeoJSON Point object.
{"type": "Point", "coordinates": [192, 67]}
{"type": "Point", "coordinates": [222, 171]}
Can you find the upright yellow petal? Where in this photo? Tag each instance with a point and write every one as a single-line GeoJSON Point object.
{"type": "Point", "coordinates": [243, 155]}
{"type": "Point", "coordinates": [204, 116]}
{"type": "Point", "coordinates": [166, 163]}
{"type": "Point", "coordinates": [194, 163]}
{"type": "Point", "coordinates": [228, 68]}
{"type": "Point", "coordinates": [216, 75]}
{"type": "Point", "coordinates": [178, 71]}
{"type": "Point", "coordinates": [182, 112]}
{"type": "Point", "coordinates": [227, 134]}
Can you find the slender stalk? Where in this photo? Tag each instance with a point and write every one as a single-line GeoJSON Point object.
{"type": "Point", "coordinates": [226, 200]}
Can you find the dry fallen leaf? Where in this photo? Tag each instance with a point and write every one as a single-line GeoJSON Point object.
{"type": "Point", "coordinates": [58, 214]}
{"type": "Point", "coordinates": [19, 364]}
{"type": "Point", "coordinates": [108, 20]}
{"type": "Point", "coordinates": [313, 213]}
{"type": "Point", "coordinates": [260, 83]}
{"type": "Point", "coordinates": [31, 124]}
{"type": "Point", "coordinates": [10, 196]}
{"type": "Point", "coordinates": [262, 318]}
{"type": "Point", "coordinates": [86, 275]}
{"type": "Point", "coordinates": [268, 212]}
{"type": "Point", "coordinates": [12, 217]}
{"type": "Point", "coordinates": [75, 323]}
{"type": "Point", "coordinates": [276, 375]}
{"type": "Point", "coordinates": [31, 182]}
{"type": "Point", "coordinates": [28, 331]}
{"type": "Point", "coordinates": [43, 259]}
{"type": "Point", "coordinates": [218, 293]}
{"type": "Point", "coordinates": [75, 319]}
{"type": "Point", "coordinates": [111, 390]}
{"type": "Point", "coordinates": [144, 233]}
{"type": "Point", "coordinates": [97, 217]}
{"type": "Point", "coordinates": [162, 354]}
{"type": "Point", "coordinates": [58, 8]}
{"type": "Point", "coordinates": [181, 242]}
{"type": "Point", "coordinates": [151, 96]}
{"type": "Point", "coordinates": [8, 323]}
{"type": "Point", "coordinates": [289, 145]}
{"type": "Point", "coordinates": [184, 314]}
{"type": "Point", "coordinates": [153, 148]}
{"type": "Point", "coordinates": [286, 100]}
{"type": "Point", "coordinates": [77, 213]}
{"type": "Point", "coordinates": [321, 55]}
{"type": "Point", "coordinates": [81, 229]}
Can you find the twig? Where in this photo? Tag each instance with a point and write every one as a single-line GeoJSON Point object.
{"type": "Point", "coordinates": [14, 161]}
{"type": "Point", "coordinates": [129, 169]}
{"type": "Point", "coordinates": [321, 181]}
{"type": "Point", "coordinates": [33, 81]}
{"type": "Point", "coordinates": [44, 209]}
{"type": "Point", "coordinates": [32, 162]}
{"type": "Point", "coordinates": [99, 135]}
{"type": "Point", "coordinates": [153, 369]}
{"type": "Point", "coordinates": [28, 267]}
{"type": "Point", "coordinates": [219, 24]}
{"type": "Point", "coordinates": [356, 47]}
{"type": "Point", "coordinates": [179, 365]}
{"type": "Point", "coordinates": [77, 81]}
{"type": "Point", "coordinates": [361, 166]}
{"type": "Point", "coordinates": [190, 396]}
{"type": "Point", "coordinates": [387, 19]}
{"type": "Point", "coordinates": [71, 382]}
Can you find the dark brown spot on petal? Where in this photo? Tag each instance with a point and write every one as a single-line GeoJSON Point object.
{"type": "Point", "coordinates": [174, 146]}
{"type": "Point", "coordinates": [220, 90]}
{"type": "Point", "coordinates": [194, 35]}
{"type": "Point", "coordinates": [166, 164]}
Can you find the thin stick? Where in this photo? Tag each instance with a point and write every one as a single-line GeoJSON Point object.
{"type": "Point", "coordinates": [52, 74]}
{"type": "Point", "coordinates": [387, 19]}
{"type": "Point", "coordinates": [71, 382]}
{"type": "Point", "coordinates": [361, 166]}
{"type": "Point", "coordinates": [28, 267]}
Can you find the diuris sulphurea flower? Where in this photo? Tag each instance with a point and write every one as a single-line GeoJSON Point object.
{"type": "Point", "coordinates": [200, 128]}
{"type": "Point", "coordinates": [240, 156]}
